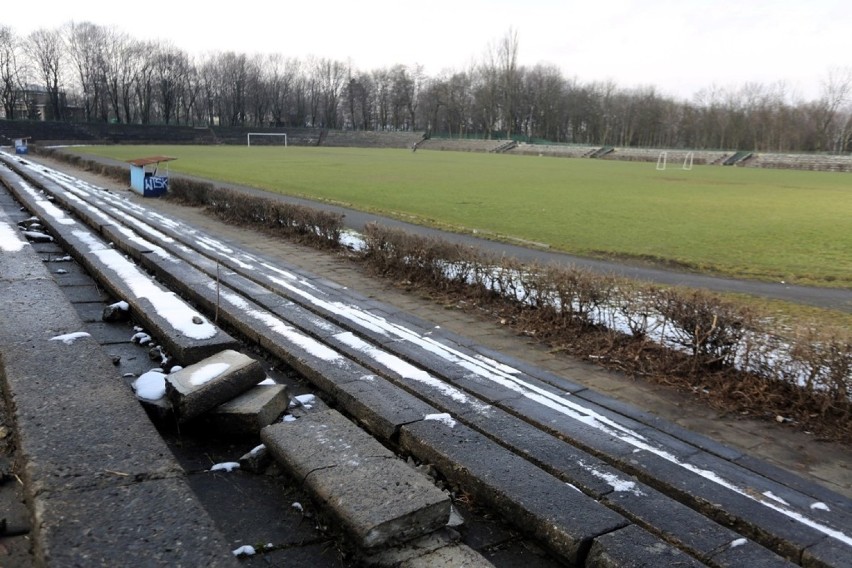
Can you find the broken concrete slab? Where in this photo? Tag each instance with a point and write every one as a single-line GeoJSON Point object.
{"type": "Point", "coordinates": [440, 548]}
{"type": "Point", "coordinates": [633, 546]}
{"type": "Point", "coordinates": [378, 498]}
{"type": "Point", "coordinates": [205, 385]}
{"type": "Point", "coordinates": [252, 410]}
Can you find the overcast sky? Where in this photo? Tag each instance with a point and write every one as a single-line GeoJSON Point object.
{"type": "Point", "coordinates": [678, 46]}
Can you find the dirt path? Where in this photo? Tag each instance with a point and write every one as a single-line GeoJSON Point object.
{"type": "Point", "coordinates": [827, 463]}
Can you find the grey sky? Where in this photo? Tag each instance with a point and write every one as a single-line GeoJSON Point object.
{"type": "Point", "coordinates": [679, 47]}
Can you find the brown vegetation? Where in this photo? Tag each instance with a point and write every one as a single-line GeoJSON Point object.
{"type": "Point", "coordinates": [723, 351]}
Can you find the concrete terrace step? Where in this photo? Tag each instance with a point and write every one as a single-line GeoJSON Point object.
{"type": "Point", "coordinates": [377, 497]}
{"type": "Point", "coordinates": [188, 336]}
{"type": "Point", "coordinates": [381, 369]}
{"type": "Point", "coordinates": [87, 464]}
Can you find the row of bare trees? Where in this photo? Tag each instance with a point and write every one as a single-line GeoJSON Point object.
{"type": "Point", "coordinates": [102, 74]}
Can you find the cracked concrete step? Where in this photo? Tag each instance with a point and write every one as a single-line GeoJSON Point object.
{"type": "Point", "coordinates": [377, 497]}
{"type": "Point", "coordinates": [215, 380]}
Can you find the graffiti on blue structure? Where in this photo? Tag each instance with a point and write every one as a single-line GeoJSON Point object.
{"type": "Point", "coordinates": [156, 183]}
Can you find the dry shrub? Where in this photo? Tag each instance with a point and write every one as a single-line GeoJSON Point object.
{"type": "Point", "coordinates": [709, 328]}
{"type": "Point", "coordinates": [189, 192]}
{"type": "Point", "coordinates": [429, 261]}
{"type": "Point", "coordinates": [714, 347]}
{"type": "Point", "coordinates": [821, 362]}
{"type": "Point", "coordinates": [307, 225]}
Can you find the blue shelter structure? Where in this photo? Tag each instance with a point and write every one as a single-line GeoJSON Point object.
{"type": "Point", "coordinates": [147, 183]}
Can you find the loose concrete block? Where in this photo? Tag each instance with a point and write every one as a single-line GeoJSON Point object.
{"type": "Point", "coordinates": [252, 410]}
{"type": "Point", "coordinates": [203, 386]}
{"type": "Point", "coordinates": [378, 499]}
{"type": "Point", "coordinates": [636, 548]}
{"type": "Point", "coordinates": [535, 501]}
{"type": "Point", "coordinates": [154, 523]}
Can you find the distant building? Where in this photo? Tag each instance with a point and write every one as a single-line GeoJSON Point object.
{"type": "Point", "coordinates": [33, 103]}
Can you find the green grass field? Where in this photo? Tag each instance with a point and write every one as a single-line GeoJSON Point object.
{"type": "Point", "coordinates": [767, 224]}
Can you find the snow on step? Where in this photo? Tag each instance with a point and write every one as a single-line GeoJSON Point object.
{"type": "Point", "coordinates": [376, 497]}
{"type": "Point", "coordinates": [205, 385]}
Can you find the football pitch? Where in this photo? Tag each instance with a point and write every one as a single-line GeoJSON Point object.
{"type": "Point", "coordinates": [786, 225]}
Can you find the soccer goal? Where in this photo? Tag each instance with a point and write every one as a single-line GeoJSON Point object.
{"type": "Point", "coordinates": [662, 160]}
{"type": "Point", "coordinates": [280, 134]}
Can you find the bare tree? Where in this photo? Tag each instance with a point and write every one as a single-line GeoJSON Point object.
{"type": "Point", "coordinates": [47, 52]}
{"type": "Point", "coordinates": [170, 69]}
{"type": "Point", "coordinates": [10, 75]}
{"type": "Point", "coordinates": [836, 94]}
{"type": "Point", "coordinates": [122, 61]}
{"type": "Point", "coordinates": [281, 75]}
{"type": "Point", "coordinates": [86, 42]}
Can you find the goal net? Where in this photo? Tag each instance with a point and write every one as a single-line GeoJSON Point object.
{"type": "Point", "coordinates": [265, 136]}
{"type": "Point", "coordinates": [662, 160]}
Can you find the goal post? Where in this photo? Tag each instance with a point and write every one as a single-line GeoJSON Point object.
{"type": "Point", "coordinates": [661, 161]}
{"type": "Point", "coordinates": [687, 161]}
{"type": "Point", "coordinates": [250, 134]}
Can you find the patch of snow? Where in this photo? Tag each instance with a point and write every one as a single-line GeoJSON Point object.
{"type": "Point", "coordinates": [739, 542]}
{"type": "Point", "coordinates": [298, 506]}
{"type": "Point", "coordinates": [257, 449]}
{"type": "Point", "coordinates": [150, 386]}
{"type": "Point", "coordinates": [167, 304]}
{"type": "Point", "coordinates": [352, 240]}
{"type": "Point", "coordinates": [225, 466]}
{"type": "Point", "coordinates": [9, 241]}
{"type": "Point", "coordinates": [618, 484]}
{"type": "Point", "coordinates": [820, 506]}
{"type": "Point", "coordinates": [69, 338]}
{"type": "Point", "coordinates": [38, 237]}
{"type": "Point", "coordinates": [443, 418]}
{"type": "Point", "coordinates": [141, 338]}
{"type": "Point", "coordinates": [175, 369]}
{"type": "Point", "coordinates": [267, 381]}
{"type": "Point", "coordinates": [288, 418]}
{"type": "Point", "coordinates": [61, 271]}
{"type": "Point", "coordinates": [306, 400]}
{"type": "Point", "coordinates": [406, 370]}
{"type": "Point", "coordinates": [120, 305]}
{"type": "Point", "coordinates": [775, 498]}
{"type": "Point", "coordinates": [245, 550]}
{"type": "Point", "coordinates": [309, 344]}
{"type": "Point", "coordinates": [207, 373]}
